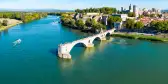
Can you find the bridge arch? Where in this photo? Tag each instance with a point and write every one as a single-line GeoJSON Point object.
{"type": "Point", "coordinates": [108, 34]}
{"type": "Point", "coordinates": [96, 38]}
{"type": "Point", "coordinates": [80, 44]}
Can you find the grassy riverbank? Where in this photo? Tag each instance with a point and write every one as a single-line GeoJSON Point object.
{"type": "Point", "coordinates": [140, 36]}
{"type": "Point", "coordinates": [11, 23]}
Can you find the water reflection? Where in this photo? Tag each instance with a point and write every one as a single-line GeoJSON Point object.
{"type": "Point", "coordinates": [6, 32]}
{"type": "Point", "coordinates": [88, 52]}
{"type": "Point", "coordinates": [0, 35]}
{"type": "Point", "coordinates": [105, 43]}
{"type": "Point", "coordinates": [65, 63]}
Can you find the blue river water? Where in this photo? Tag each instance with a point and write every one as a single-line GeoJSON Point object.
{"type": "Point", "coordinates": [115, 61]}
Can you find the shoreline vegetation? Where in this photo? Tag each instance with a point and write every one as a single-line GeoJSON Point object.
{"type": "Point", "coordinates": [13, 22]}
{"type": "Point", "coordinates": [141, 36]}
{"type": "Point", "coordinates": [10, 19]}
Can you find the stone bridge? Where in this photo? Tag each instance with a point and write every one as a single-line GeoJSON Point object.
{"type": "Point", "coordinates": [65, 49]}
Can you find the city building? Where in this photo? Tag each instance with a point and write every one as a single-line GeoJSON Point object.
{"type": "Point", "coordinates": [122, 8]}
{"type": "Point", "coordinates": [130, 8]}
{"type": "Point", "coordinates": [135, 11]}
{"type": "Point", "coordinates": [104, 19]}
{"type": "Point", "coordinates": [127, 11]}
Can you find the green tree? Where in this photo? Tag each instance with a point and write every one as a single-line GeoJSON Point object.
{"type": "Point", "coordinates": [1, 15]}
{"type": "Point", "coordinates": [80, 24]}
{"type": "Point", "coordinates": [113, 19]}
{"type": "Point", "coordinates": [141, 16]}
{"type": "Point", "coordinates": [130, 23]}
{"type": "Point", "coordinates": [159, 26]}
{"type": "Point", "coordinates": [131, 14]}
{"type": "Point", "coordinates": [93, 22]}
{"type": "Point", "coordinates": [139, 25]}
{"type": "Point", "coordinates": [105, 10]}
{"type": "Point", "coordinates": [88, 22]}
{"type": "Point", "coordinates": [5, 23]}
{"type": "Point", "coordinates": [72, 23]}
{"type": "Point", "coordinates": [153, 24]}
{"type": "Point", "coordinates": [98, 26]}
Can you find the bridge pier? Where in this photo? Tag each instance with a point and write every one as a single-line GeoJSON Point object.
{"type": "Point", "coordinates": [103, 39]}
{"type": "Point", "coordinates": [90, 45]}
{"type": "Point", "coordinates": [65, 56]}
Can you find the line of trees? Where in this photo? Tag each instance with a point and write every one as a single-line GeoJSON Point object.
{"type": "Point", "coordinates": [23, 16]}
{"type": "Point", "coordinates": [105, 10]}
{"type": "Point", "coordinates": [55, 13]}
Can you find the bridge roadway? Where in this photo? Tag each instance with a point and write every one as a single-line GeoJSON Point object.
{"type": "Point", "coordinates": [65, 49]}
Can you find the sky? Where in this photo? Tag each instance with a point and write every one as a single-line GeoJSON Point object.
{"type": "Point", "coordinates": [74, 4]}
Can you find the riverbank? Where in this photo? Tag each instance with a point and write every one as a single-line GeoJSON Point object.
{"type": "Point", "coordinates": [141, 36]}
{"type": "Point", "coordinates": [11, 23]}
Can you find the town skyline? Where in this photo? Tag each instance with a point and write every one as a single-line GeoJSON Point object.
{"type": "Point", "coordinates": [75, 4]}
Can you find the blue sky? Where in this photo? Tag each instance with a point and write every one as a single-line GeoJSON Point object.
{"type": "Point", "coordinates": [73, 4]}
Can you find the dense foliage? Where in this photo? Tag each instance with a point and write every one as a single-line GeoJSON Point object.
{"type": "Point", "coordinates": [55, 13]}
{"type": "Point", "coordinates": [112, 19]}
{"type": "Point", "coordinates": [131, 24]}
{"type": "Point", "coordinates": [60, 13]}
{"type": "Point", "coordinates": [89, 24]}
{"type": "Point", "coordinates": [80, 24]}
{"type": "Point", "coordinates": [161, 26]}
{"type": "Point", "coordinates": [131, 14]}
{"type": "Point", "coordinates": [25, 17]}
{"type": "Point", "coordinates": [105, 10]}
{"type": "Point", "coordinates": [4, 23]}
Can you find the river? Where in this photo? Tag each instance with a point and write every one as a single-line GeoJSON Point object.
{"type": "Point", "coordinates": [115, 61]}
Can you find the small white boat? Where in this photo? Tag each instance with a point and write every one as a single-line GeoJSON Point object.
{"type": "Point", "coordinates": [17, 42]}
{"type": "Point", "coordinates": [54, 22]}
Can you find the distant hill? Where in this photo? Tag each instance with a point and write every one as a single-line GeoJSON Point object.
{"type": "Point", "coordinates": [34, 10]}
{"type": "Point", "coordinates": [165, 10]}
